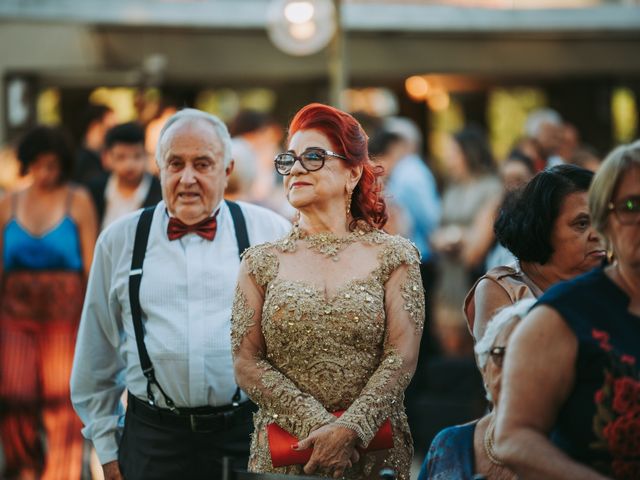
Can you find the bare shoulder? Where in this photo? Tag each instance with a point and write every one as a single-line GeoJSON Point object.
{"type": "Point", "coordinates": [81, 203]}
{"type": "Point", "coordinates": [489, 290]}
{"type": "Point", "coordinates": [488, 297]}
{"type": "Point", "coordinates": [539, 368]}
{"type": "Point", "coordinates": [80, 194]}
{"type": "Point", "coordinates": [545, 328]}
{"type": "Point", "coordinates": [6, 203]}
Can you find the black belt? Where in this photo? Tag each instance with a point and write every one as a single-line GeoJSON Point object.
{"type": "Point", "coordinates": [201, 419]}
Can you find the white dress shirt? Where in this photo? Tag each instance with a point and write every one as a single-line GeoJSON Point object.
{"type": "Point", "coordinates": [186, 296]}
{"type": "Point", "coordinates": [116, 205]}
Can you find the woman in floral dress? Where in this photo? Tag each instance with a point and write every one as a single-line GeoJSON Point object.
{"type": "Point", "coordinates": [571, 369]}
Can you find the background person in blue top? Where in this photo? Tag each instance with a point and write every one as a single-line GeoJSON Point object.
{"type": "Point", "coordinates": [48, 234]}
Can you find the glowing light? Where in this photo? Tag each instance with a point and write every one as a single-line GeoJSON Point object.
{"type": "Point", "coordinates": [438, 100]}
{"type": "Point", "coordinates": [299, 12]}
{"type": "Point", "coordinates": [301, 27]}
{"type": "Point", "coordinates": [302, 31]}
{"type": "Point", "coordinates": [417, 87]}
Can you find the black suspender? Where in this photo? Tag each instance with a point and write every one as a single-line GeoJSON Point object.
{"type": "Point", "coordinates": [135, 277]}
{"type": "Point", "coordinates": [240, 226]}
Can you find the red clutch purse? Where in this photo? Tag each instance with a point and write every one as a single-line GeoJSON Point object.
{"type": "Point", "coordinates": [282, 454]}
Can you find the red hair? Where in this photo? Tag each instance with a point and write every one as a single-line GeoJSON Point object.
{"type": "Point", "coordinates": [349, 139]}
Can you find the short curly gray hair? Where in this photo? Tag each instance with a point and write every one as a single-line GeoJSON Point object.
{"type": "Point", "coordinates": [192, 114]}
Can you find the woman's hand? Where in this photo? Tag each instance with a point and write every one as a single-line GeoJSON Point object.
{"type": "Point", "coordinates": [334, 450]}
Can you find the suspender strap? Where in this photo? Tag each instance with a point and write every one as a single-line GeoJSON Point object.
{"type": "Point", "coordinates": [240, 226]}
{"type": "Point", "coordinates": [242, 238]}
{"type": "Point", "coordinates": [135, 277]}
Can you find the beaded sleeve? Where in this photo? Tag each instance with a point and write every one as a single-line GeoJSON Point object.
{"type": "Point", "coordinates": [278, 397]}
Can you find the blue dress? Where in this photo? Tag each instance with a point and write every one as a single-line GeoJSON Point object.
{"type": "Point", "coordinates": [40, 306]}
{"type": "Point", "coordinates": [451, 454]}
{"type": "Point", "coordinates": [599, 424]}
{"type": "Point", "coordinates": [57, 249]}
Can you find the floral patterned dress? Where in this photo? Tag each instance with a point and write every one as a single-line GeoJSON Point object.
{"type": "Point", "coordinates": [327, 323]}
{"type": "Point", "coordinates": [599, 425]}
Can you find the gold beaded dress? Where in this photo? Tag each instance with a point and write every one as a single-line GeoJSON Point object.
{"type": "Point", "coordinates": [323, 323]}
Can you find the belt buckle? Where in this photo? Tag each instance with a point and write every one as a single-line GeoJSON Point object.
{"type": "Point", "coordinates": [196, 425]}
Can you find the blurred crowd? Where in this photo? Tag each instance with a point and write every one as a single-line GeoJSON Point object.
{"type": "Point", "coordinates": [490, 232]}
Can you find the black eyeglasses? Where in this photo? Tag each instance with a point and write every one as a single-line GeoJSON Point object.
{"type": "Point", "coordinates": [627, 210]}
{"type": "Point", "coordinates": [311, 159]}
{"type": "Point", "coordinates": [497, 355]}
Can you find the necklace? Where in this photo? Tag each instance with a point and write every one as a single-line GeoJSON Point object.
{"type": "Point", "coordinates": [488, 444]}
{"type": "Point", "coordinates": [328, 243]}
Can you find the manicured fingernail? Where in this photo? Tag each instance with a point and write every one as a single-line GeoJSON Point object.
{"type": "Point", "coordinates": [294, 446]}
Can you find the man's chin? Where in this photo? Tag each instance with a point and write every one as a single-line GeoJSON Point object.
{"type": "Point", "coordinates": [190, 215]}
{"type": "Point", "coordinates": [132, 182]}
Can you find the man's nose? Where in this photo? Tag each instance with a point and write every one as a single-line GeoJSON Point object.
{"type": "Point", "coordinates": [188, 175]}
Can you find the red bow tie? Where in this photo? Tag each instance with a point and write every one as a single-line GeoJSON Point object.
{"type": "Point", "coordinates": [206, 228]}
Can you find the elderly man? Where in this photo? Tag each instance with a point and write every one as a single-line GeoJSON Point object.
{"type": "Point", "coordinates": [156, 317]}
{"type": "Point", "coordinates": [544, 128]}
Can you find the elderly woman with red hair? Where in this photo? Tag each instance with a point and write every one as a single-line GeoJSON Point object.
{"type": "Point", "coordinates": [327, 321]}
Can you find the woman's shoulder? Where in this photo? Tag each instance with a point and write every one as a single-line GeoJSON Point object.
{"type": "Point", "coordinates": [583, 300]}
{"type": "Point", "coordinates": [6, 207]}
{"type": "Point", "coordinates": [591, 281]}
{"type": "Point", "coordinates": [511, 280]}
{"type": "Point", "coordinates": [502, 271]}
{"type": "Point", "coordinates": [399, 247]}
{"type": "Point", "coordinates": [394, 252]}
{"type": "Point", "coordinates": [282, 244]}
{"type": "Point", "coordinates": [262, 261]}
{"type": "Point", "coordinates": [455, 436]}
{"type": "Point", "coordinates": [80, 202]}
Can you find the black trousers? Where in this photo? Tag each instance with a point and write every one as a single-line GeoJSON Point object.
{"type": "Point", "coordinates": [152, 451]}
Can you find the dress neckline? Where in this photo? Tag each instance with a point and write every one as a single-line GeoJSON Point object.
{"type": "Point", "coordinates": [617, 290]}
{"type": "Point", "coordinates": [344, 291]}
{"type": "Point", "coordinates": [328, 243]}
{"type": "Point", "coordinates": [46, 232]}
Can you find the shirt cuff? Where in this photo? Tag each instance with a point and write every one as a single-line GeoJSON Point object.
{"type": "Point", "coordinates": [107, 446]}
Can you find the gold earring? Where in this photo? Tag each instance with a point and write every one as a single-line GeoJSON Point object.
{"type": "Point", "coordinates": [349, 196]}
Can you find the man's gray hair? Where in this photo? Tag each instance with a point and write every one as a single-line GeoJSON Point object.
{"type": "Point", "coordinates": [190, 115]}
{"type": "Point", "coordinates": [500, 320]}
{"type": "Point", "coordinates": [538, 118]}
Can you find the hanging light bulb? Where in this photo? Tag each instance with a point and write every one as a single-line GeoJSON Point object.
{"type": "Point", "coordinates": [299, 12]}
{"type": "Point", "coordinates": [301, 27]}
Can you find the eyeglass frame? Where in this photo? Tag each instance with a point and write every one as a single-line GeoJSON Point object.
{"type": "Point", "coordinates": [497, 353]}
{"type": "Point", "coordinates": [613, 207]}
{"type": "Point", "coordinates": [326, 153]}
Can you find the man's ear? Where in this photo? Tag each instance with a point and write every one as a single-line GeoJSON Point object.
{"type": "Point", "coordinates": [229, 168]}
{"type": "Point", "coordinates": [105, 160]}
